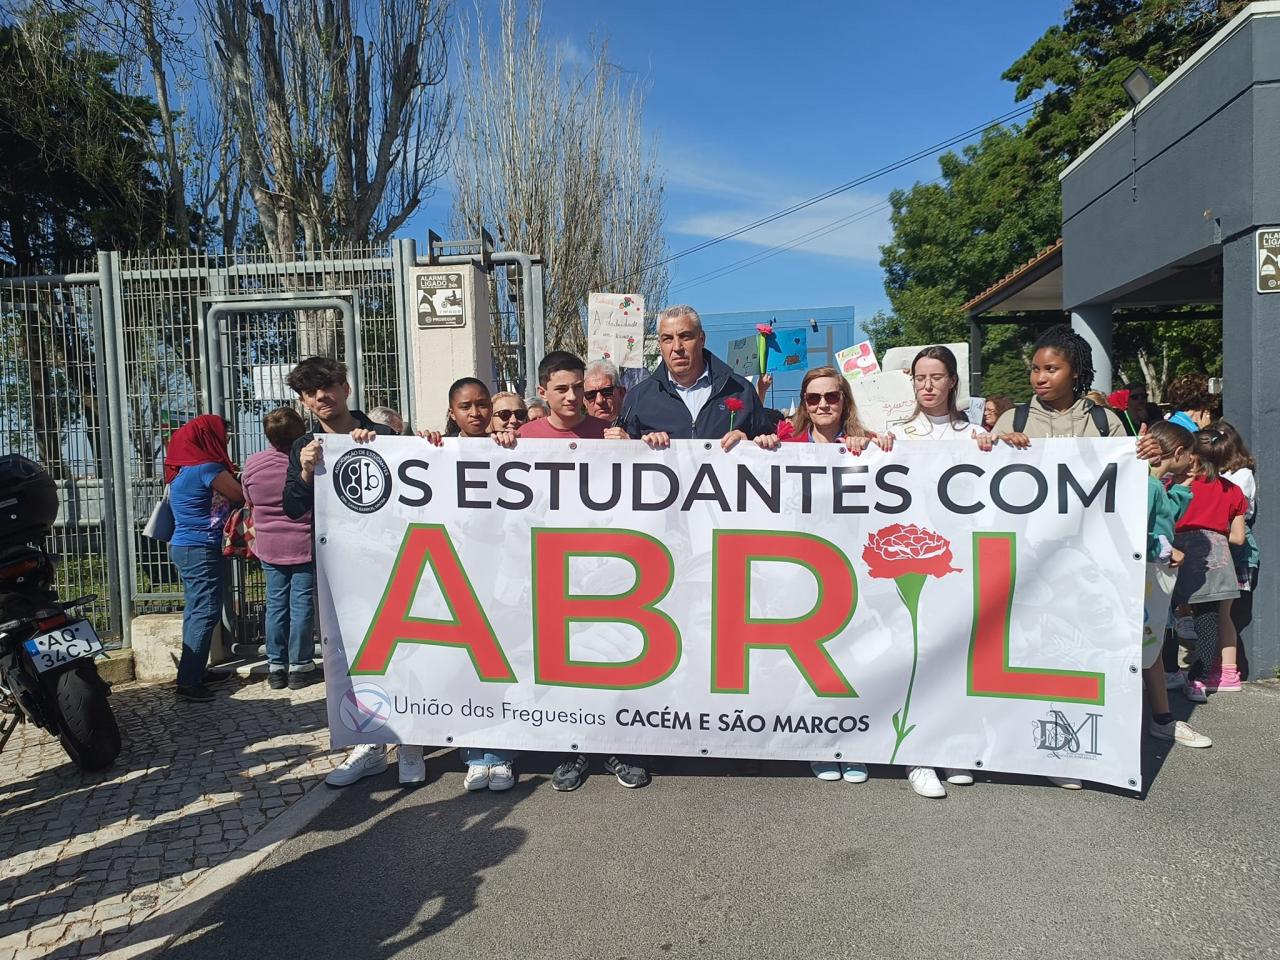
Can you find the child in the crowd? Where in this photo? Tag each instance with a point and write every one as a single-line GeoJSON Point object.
{"type": "Point", "coordinates": [1214, 520]}
{"type": "Point", "coordinates": [1239, 469]}
{"type": "Point", "coordinates": [1165, 505]}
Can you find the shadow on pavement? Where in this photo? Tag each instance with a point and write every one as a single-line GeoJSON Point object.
{"type": "Point", "coordinates": [385, 898]}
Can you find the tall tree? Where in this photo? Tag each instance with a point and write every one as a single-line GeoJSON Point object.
{"type": "Point", "coordinates": [998, 202]}
{"type": "Point", "coordinates": [556, 160]}
{"type": "Point", "coordinates": [339, 111]}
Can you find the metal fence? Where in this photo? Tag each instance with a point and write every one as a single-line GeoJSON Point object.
{"type": "Point", "coordinates": [98, 366]}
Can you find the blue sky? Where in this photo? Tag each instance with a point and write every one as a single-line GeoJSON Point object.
{"type": "Point", "coordinates": [757, 105]}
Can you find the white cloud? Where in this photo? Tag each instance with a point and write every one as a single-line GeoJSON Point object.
{"type": "Point", "coordinates": [730, 198]}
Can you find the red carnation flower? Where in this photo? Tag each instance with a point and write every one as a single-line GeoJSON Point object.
{"type": "Point", "coordinates": [765, 328]}
{"type": "Point", "coordinates": [786, 430]}
{"type": "Point", "coordinates": [1118, 400]}
{"type": "Point", "coordinates": [733, 404]}
{"type": "Point", "coordinates": [899, 550]}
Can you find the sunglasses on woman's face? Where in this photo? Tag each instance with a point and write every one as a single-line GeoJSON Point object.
{"type": "Point", "coordinates": [521, 415]}
{"type": "Point", "coordinates": [831, 398]}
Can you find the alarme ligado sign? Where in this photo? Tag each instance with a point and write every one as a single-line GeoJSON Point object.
{"type": "Point", "coordinates": [934, 605]}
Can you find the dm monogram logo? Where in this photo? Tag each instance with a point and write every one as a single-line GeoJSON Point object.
{"type": "Point", "coordinates": [1060, 735]}
{"type": "Point", "coordinates": [362, 480]}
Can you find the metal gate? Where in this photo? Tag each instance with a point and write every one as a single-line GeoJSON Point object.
{"type": "Point", "coordinates": [99, 366]}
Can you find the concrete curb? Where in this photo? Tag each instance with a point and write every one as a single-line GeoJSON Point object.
{"type": "Point", "coordinates": [154, 932]}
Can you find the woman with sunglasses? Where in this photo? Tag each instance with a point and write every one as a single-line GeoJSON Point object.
{"type": "Point", "coordinates": [827, 414]}
{"type": "Point", "coordinates": [509, 412]}
{"type": "Point", "coordinates": [936, 380]}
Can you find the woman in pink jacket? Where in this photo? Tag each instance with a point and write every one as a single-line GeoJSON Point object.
{"type": "Point", "coordinates": [284, 547]}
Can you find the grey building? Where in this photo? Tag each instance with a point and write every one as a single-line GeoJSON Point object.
{"type": "Point", "coordinates": [1171, 206]}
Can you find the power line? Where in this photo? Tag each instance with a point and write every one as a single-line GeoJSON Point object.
{"type": "Point", "coordinates": [834, 191]}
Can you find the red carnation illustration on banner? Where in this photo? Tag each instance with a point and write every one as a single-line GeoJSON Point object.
{"type": "Point", "coordinates": [909, 556]}
{"type": "Point", "coordinates": [734, 406]}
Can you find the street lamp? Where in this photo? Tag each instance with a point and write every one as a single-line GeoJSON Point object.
{"type": "Point", "coordinates": [1138, 85]}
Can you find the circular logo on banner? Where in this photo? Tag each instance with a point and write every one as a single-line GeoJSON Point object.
{"type": "Point", "coordinates": [362, 480]}
{"type": "Point", "coordinates": [365, 708]}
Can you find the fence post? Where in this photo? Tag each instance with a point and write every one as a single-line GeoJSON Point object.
{"type": "Point", "coordinates": [404, 254]}
{"type": "Point", "coordinates": [121, 512]}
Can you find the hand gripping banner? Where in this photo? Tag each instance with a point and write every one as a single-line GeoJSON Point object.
{"type": "Point", "coordinates": [933, 605]}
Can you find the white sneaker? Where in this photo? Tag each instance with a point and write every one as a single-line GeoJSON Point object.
{"type": "Point", "coordinates": [1184, 628]}
{"type": "Point", "coordinates": [961, 778]}
{"type": "Point", "coordinates": [1179, 732]}
{"type": "Point", "coordinates": [502, 776]}
{"type": "Point", "coordinates": [477, 777]}
{"type": "Point", "coordinates": [413, 766]}
{"type": "Point", "coordinates": [924, 781]}
{"type": "Point", "coordinates": [1175, 680]}
{"type": "Point", "coordinates": [1066, 783]}
{"type": "Point", "coordinates": [366, 760]}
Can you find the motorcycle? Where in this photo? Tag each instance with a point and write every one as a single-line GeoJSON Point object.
{"type": "Point", "coordinates": [48, 674]}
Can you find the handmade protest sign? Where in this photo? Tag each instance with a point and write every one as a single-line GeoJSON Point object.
{"type": "Point", "coordinates": [857, 361]}
{"type": "Point", "coordinates": [615, 328]}
{"type": "Point", "coordinates": [934, 605]}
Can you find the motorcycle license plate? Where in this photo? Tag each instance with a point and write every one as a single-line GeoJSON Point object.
{"type": "Point", "coordinates": [63, 645]}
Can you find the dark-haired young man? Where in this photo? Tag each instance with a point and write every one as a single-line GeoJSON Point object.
{"type": "Point", "coordinates": [321, 385]}
{"type": "Point", "coordinates": [560, 383]}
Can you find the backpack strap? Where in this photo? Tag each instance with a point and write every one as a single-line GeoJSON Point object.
{"type": "Point", "coordinates": [1100, 420]}
{"type": "Point", "coordinates": [1020, 414]}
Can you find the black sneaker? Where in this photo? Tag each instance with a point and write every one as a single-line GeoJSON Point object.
{"type": "Point", "coordinates": [304, 678]}
{"type": "Point", "coordinates": [570, 774]}
{"type": "Point", "coordinates": [277, 680]}
{"type": "Point", "coordinates": [628, 774]}
{"type": "Point", "coordinates": [197, 694]}
{"type": "Point", "coordinates": [215, 676]}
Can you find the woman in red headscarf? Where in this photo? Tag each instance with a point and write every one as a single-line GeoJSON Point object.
{"type": "Point", "coordinates": [202, 490]}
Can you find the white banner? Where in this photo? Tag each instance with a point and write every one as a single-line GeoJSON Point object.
{"type": "Point", "coordinates": [934, 605]}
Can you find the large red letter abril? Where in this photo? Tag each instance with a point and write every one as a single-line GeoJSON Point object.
{"type": "Point", "coordinates": [734, 633]}
{"type": "Point", "coordinates": [423, 544]}
{"type": "Point", "coordinates": [990, 675]}
{"type": "Point", "coordinates": [555, 609]}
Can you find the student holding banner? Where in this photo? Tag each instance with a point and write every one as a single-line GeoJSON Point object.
{"type": "Point", "coordinates": [561, 378]}
{"type": "Point", "coordinates": [935, 377]}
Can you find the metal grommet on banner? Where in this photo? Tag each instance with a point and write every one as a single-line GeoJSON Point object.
{"type": "Point", "coordinates": [448, 739]}
{"type": "Point", "coordinates": [323, 539]}
{"type": "Point", "coordinates": [839, 754]}
{"type": "Point", "coordinates": [977, 763]}
{"type": "Point", "coordinates": [1132, 668]}
{"type": "Point", "coordinates": [1137, 556]}
{"type": "Point", "coordinates": [573, 747]}
{"type": "Point", "coordinates": [573, 446]}
{"type": "Point", "coordinates": [704, 751]}
{"type": "Point", "coordinates": [1133, 783]}
{"type": "Point", "coordinates": [843, 450]}
{"type": "Point", "coordinates": [706, 446]}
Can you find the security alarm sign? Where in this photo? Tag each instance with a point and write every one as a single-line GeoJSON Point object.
{"type": "Point", "coordinates": [1267, 242]}
{"type": "Point", "coordinates": [438, 298]}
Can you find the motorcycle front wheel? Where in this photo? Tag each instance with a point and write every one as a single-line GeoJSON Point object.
{"type": "Point", "coordinates": [86, 725]}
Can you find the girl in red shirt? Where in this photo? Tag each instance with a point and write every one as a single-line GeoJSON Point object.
{"type": "Point", "coordinates": [1214, 521]}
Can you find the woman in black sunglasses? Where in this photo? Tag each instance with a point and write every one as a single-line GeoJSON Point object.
{"type": "Point", "coordinates": [827, 414]}
{"type": "Point", "coordinates": [509, 412]}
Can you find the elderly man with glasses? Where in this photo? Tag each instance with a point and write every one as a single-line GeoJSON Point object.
{"type": "Point", "coordinates": [603, 391]}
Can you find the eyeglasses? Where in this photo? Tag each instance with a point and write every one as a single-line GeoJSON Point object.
{"type": "Point", "coordinates": [832, 398]}
{"type": "Point", "coordinates": [930, 378]}
{"type": "Point", "coordinates": [605, 393]}
{"type": "Point", "coordinates": [521, 415]}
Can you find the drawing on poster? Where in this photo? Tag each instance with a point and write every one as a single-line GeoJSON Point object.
{"type": "Point", "coordinates": [857, 361]}
{"type": "Point", "coordinates": [615, 328]}
{"type": "Point", "coordinates": [787, 349]}
{"type": "Point", "coordinates": [743, 356]}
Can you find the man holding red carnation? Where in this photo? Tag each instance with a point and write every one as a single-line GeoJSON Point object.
{"type": "Point", "coordinates": [693, 395]}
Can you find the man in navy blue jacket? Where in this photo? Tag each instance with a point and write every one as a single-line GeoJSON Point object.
{"type": "Point", "coordinates": [692, 395]}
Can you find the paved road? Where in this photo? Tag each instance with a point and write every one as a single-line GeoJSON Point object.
{"type": "Point", "coordinates": [709, 862]}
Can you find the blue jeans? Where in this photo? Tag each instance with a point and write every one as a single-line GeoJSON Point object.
{"type": "Point", "coordinates": [203, 571]}
{"type": "Point", "coordinates": [291, 591]}
{"type": "Point", "coordinates": [473, 756]}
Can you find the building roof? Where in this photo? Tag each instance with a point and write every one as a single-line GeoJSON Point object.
{"type": "Point", "coordinates": [1034, 286]}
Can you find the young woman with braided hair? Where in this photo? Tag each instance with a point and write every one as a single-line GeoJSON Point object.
{"type": "Point", "coordinates": [1061, 375]}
